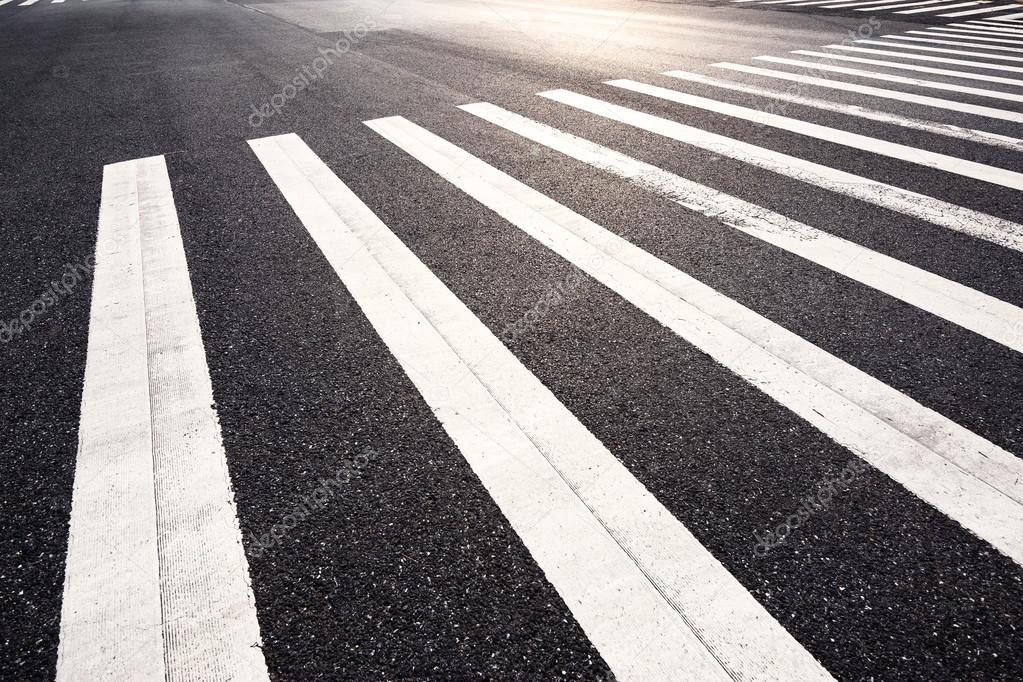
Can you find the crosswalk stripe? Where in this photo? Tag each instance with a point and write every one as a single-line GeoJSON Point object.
{"type": "Point", "coordinates": [1007, 20]}
{"type": "Point", "coordinates": [917, 57]}
{"type": "Point", "coordinates": [675, 610]}
{"type": "Point", "coordinates": [898, 5]}
{"type": "Point", "coordinates": [4, 2]}
{"type": "Point", "coordinates": [156, 582]}
{"type": "Point", "coordinates": [822, 389]}
{"type": "Point", "coordinates": [940, 41]}
{"type": "Point", "coordinates": [26, 3]}
{"type": "Point", "coordinates": [961, 305]}
{"type": "Point", "coordinates": [943, 50]}
{"type": "Point", "coordinates": [820, 2]}
{"type": "Point", "coordinates": [973, 30]}
{"type": "Point", "coordinates": [916, 68]}
{"type": "Point", "coordinates": [972, 35]}
{"type": "Point", "coordinates": [950, 105]}
{"type": "Point", "coordinates": [994, 24]}
{"type": "Point", "coordinates": [894, 150]}
{"type": "Point", "coordinates": [982, 10]}
{"type": "Point", "coordinates": [871, 5]}
{"type": "Point", "coordinates": [926, 10]}
{"type": "Point", "coordinates": [936, 211]}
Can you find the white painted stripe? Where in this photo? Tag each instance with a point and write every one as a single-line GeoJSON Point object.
{"type": "Point", "coordinates": [871, 4]}
{"type": "Point", "coordinates": [961, 305]}
{"type": "Point", "coordinates": [56, 2]}
{"type": "Point", "coordinates": [916, 68]}
{"type": "Point", "coordinates": [819, 2]}
{"type": "Point", "coordinates": [987, 25]}
{"type": "Point", "coordinates": [982, 10]}
{"type": "Point", "coordinates": [154, 536]}
{"type": "Point", "coordinates": [958, 33]}
{"type": "Point", "coordinates": [961, 474]}
{"type": "Point", "coordinates": [951, 216]}
{"type": "Point", "coordinates": [674, 610]}
{"type": "Point", "coordinates": [26, 3]}
{"type": "Point", "coordinates": [975, 31]}
{"type": "Point", "coordinates": [926, 10]}
{"type": "Point", "coordinates": [893, 150]}
{"type": "Point", "coordinates": [994, 24]}
{"type": "Point", "coordinates": [1012, 18]}
{"type": "Point", "coordinates": [899, 5]}
{"type": "Point", "coordinates": [943, 50]}
{"type": "Point", "coordinates": [4, 2]}
{"type": "Point", "coordinates": [920, 57]}
{"type": "Point", "coordinates": [948, 130]}
{"type": "Point", "coordinates": [951, 105]}
{"type": "Point", "coordinates": [939, 41]}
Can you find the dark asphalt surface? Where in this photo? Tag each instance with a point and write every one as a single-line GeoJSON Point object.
{"type": "Point", "coordinates": [413, 573]}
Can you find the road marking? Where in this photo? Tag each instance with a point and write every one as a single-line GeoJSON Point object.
{"type": "Point", "coordinates": [675, 610]}
{"type": "Point", "coordinates": [893, 150]}
{"type": "Point", "coordinates": [938, 41]}
{"type": "Point", "coordinates": [942, 129]}
{"type": "Point", "coordinates": [961, 305]}
{"type": "Point", "coordinates": [922, 83]}
{"type": "Point", "coordinates": [56, 2]}
{"type": "Point", "coordinates": [994, 24]}
{"type": "Point", "coordinates": [969, 75]}
{"type": "Point", "coordinates": [958, 33]}
{"type": "Point", "coordinates": [961, 474]}
{"type": "Point", "coordinates": [976, 30]}
{"type": "Point", "coordinates": [4, 2]}
{"type": "Point", "coordinates": [982, 10]}
{"type": "Point", "coordinates": [944, 50]}
{"type": "Point", "coordinates": [925, 10]}
{"type": "Point", "coordinates": [871, 5]}
{"type": "Point", "coordinates": [918, 57]}
{"type": "Point", "coordinates": [899, 5]}
{"type": "Point", "coordinates": [26, 3]}
{"type": "Point", "coordinates": [154, 537]}
{"type": "Point", "coordinates": [935, 211]}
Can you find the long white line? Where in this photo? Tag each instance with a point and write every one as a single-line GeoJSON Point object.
{"type": "Point", "coordinates": [961, 474]}
{"type": "Point", "coordinates": [982, 10]}
{"type": "Point", "coordinates": [26, 3]}
{"type": "Point", "coordinates": [994, 24]}
{"type": "Point", "coordinates": [938, 41]}
{"type": "Point", "coordinates": [156, 584]}
{"type": "Point", "coordinates": [965, 53]}
{"type": "Point", "coordinates": [898, 5]}
{"type": "Point", "coordinates": [893, 150]}
{"type": "Point", "coordinates": [920, 57]}
{"type": "Point", "coordinates": [922, 83]}
{"type": "Point", "coordinates": [917, 68]}
{"type": "Point", "coordinates": [961, 305]}
{"type": "Point", "coordinates": [958, 33]}
{"type": "Point", "coordinates": [988, 28]}
{"type": "Point", "coordinates": [973, 31]}
{"type": "Point", "coordinates": [871, 4]}
{"type": "Point", "coordinates": [819, 2]}
{"type": "Point", "coordinates": [674, 610]}
{"type": "Point", "coordinates": [4, 2]}
{"type": "Point", "coordinates": [1007, 20]}
{"type": "Point", "coordinates": [951, 105]}
{"type": "Point", "coordinates": [926, 10]}
{"type": "Point", "coordinates": [943, 213]}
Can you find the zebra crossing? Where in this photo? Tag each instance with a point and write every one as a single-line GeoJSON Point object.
{"type": "Point", "coordinates": [150, 437]}
{"type": "Point", "coordinates": [29, 3]}
{"type": "Point", "coordinates": [996, 10]}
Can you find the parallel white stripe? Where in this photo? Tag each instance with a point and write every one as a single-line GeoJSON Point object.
{"type": "Point", "coordinates": [985, 30]}
{"type": "Point", "coordinates": [951, 216]}
{"type": "Point", "coordinates": [919, 57]}
{"type": "Point", "coordinates": [887, 429]}
{"type": "Point", "coordinates": [982, 10]}
{"type": "Point", "coordinates": [26, 3]}
{"type": "Point", "coordinates": [899, 5]}
{"type": "Point", "coordinates": [950, 105]}
{"type": "Point", "coordinates": [926, 10]}
{"type": "Point", "coordinates": [961, 305]}
{"type": "Point", "coordinates": [819, 2]}
{"type": "Point", "coordinates": [994, 24]}
{"type": "Point", "coordinates": [674, 610]}
{"type": "Point", "coordinates": [958, 33]}
{"type": "Point", "coordinates": [965, 53]}
{"type": "Point", "coordinates": [968, 75]}
{"type": "Point", "coordinates": [56, 2]}
{"type": "Point", "coordinates": [939, 41]}
{"type": "Point", "coordinates": [156, 583]}
{"type": "Point", "coordinates": [4, 2]}
{"type": "Point", "coordinates": [894, 150]}
{"type": "Point", "coordinates": [866, 4]}
{"type": "Point", "coordinates": [1012, 18]}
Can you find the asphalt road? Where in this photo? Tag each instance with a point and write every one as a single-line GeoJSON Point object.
{"type": "Point", "coordinates": [413, 571]}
